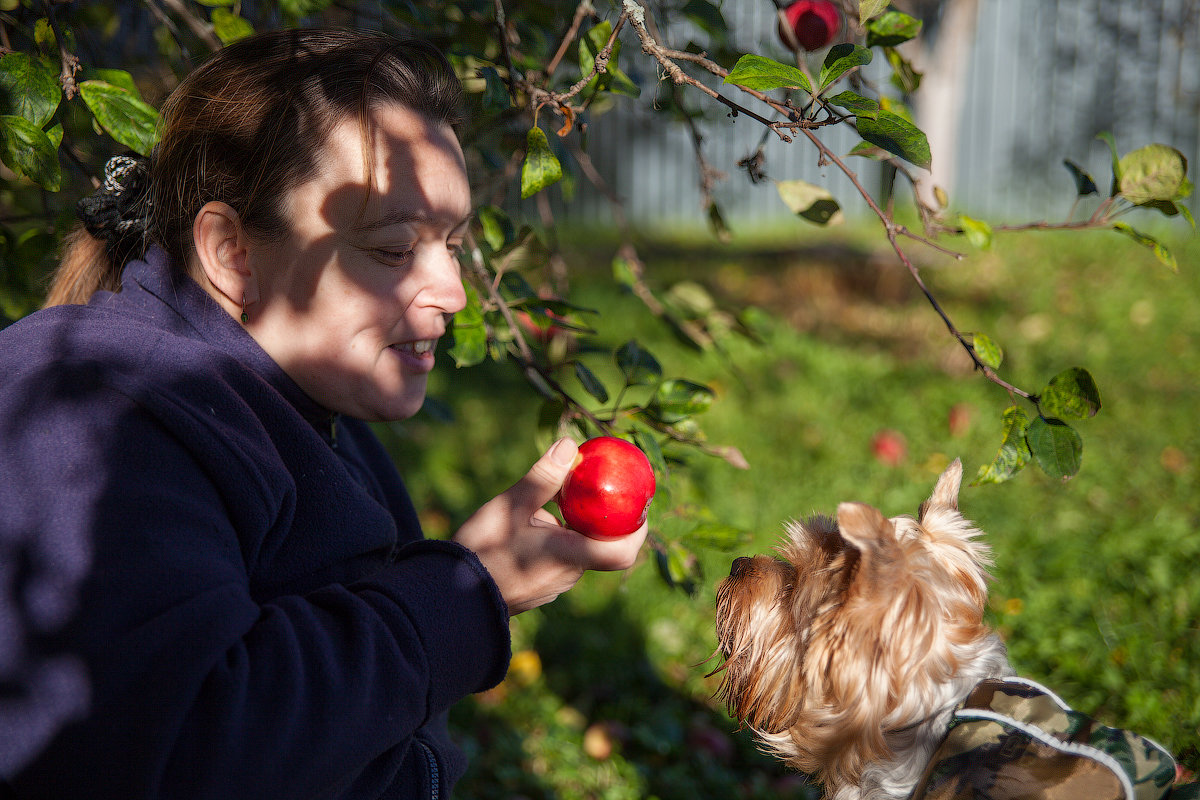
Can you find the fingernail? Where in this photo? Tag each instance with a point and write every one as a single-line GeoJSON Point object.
{"type": "Point", "coordinates": [564, 451]}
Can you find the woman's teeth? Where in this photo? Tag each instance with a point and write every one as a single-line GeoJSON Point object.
{"type": "Point", "coordinates": [419, 348]}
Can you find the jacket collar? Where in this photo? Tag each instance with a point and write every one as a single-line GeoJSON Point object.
{"type": "Point", "coordinates": [172, 300]}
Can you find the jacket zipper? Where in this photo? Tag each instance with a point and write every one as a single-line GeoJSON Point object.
{"type": "Point", "coordinates": [433, 770]}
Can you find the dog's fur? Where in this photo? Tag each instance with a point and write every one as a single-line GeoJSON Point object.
{"type": "Point", "coordinates": [848, 653]}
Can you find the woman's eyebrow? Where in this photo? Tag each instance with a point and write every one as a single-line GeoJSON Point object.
{"type": "Point", "coordinates": [406, 217]}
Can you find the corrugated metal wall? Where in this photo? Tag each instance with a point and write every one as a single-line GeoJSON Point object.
{"type": "Point", "coordinates": [1045, 77]}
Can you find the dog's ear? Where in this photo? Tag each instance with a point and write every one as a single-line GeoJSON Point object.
{"type": "Point", "coordinates": [874, 536]}
{"type": "Point", "coordinates": [945, 493]}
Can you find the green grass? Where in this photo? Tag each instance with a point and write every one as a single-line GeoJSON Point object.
{"type": "Point", "coordinates": [1094, 586]}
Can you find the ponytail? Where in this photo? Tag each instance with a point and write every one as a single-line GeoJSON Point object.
{"type": "Point", "coordinates": [84, 268]}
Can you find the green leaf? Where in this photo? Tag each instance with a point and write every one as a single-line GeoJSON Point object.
{"type": "Point", "coordinates": [759, 73]}
{"type": "Point", "coordinates": [229, 27]}
{"type": "Point", "coordinates": [649, 445]}
{"type": "Point", "coordinates": [623, 272]}
{"type": "Point", "coordinates": [892, 28]}
{"type": "Point", "coordinates": [987, 350]}
{"type": "Point", "coordinates": [841, 59]}
{"type": "Point", "coordinates": [123, 116]}
{"type": "Point", "coordinates": [1155, 172]}
{"type": "Point", "coordinates": [470, 333]}
{"type": "Point", "coordinates": [1014, 452]}
{"type": "Point", "coordinates": [117, 77]}
{"type": "Point", "coordinates": [541, 167]}
{"type": "Point", "coordinates": [867, 150]}
{"type": "Point", "coordinates": [717, 223]}
{"type": "Point", "coordinates": [690, 299]}
{"type": "Point", "coordinates": [706, 16]}
{"type": "Point", "coordinates": [216, 3]}
{"type": "Point", "coordinates": [514, 285]}
{"type": "Point", "coordinates": [717, 536]}
{"type": "Point", "coordinates": [1160, 251]}
{"type": "Point", "coordinates": [28, 88]}
{"type": "Point", "coordinates": [1071, 394]}
{"type": "Point", "coordinates": [896, 135]}
{"type": "Point", "coordinates": [978, 232]}
{"type": "Point", "coordinates": [1108, 139]}
{"type": "Point", "coordinates": [46, 39]}
{"type": "Point", "coordinates": [868, 9]}
{"type": "Point", "coordinates": [813, 203]}
{"type": "Point", "coordinates": [498, 230]}
{"type": "Point", "coordinates": [495, 90]}
{"type": "Point", "coordinates": [1084, 183]}
{"type": "Point", "coordinates": [296, 9]}
{"type": "Point", "coordinates": [905, 76]}
{"type": "Point", "coordinates": [678, 567]}
{"type": "Point", "coordinates": [1056, 447]}
{"type": "Point", "coordinates": [612, 79]}
{"type": "Point", "coordinates": [591, 384]}
{"type": "Point", "coordinates": [678, 399]}
{"type": "Point", "coordinates": [27, 150]}
{"type": "Point", "coordinates": [637, 364]}
{"type": "Point", "coordinates": [855, 103]}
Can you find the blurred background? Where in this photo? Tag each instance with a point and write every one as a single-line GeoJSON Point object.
{"type": "Point", "coordinates": [827, 374]}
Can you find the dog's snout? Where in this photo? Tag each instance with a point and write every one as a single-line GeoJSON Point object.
{"type": "Point", "coordinates": [740, 565]}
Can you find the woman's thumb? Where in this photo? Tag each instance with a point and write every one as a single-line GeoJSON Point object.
{"type": "Point", "coordinates": [546, 476]}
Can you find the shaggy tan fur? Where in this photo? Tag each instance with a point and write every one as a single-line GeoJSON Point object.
{"type": "Point", "coordinates": [847, 652]}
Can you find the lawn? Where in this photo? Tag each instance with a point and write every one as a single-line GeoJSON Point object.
{"type": "Point", "coordinates": [1094, 592]}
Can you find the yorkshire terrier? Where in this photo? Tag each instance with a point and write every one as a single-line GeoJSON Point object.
{"type": "Point", "coordinates": [860, 657]}
{"type": "Point", "coordinates": [849, 653]}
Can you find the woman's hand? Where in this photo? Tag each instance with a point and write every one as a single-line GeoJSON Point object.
{"type": "Point", "coordinates": [530, 556]}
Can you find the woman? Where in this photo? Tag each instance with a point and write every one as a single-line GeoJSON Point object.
{"type": "Point", "coordinates": [260, 615]}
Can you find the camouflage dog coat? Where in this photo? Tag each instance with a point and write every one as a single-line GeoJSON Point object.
{"type": "Point", "coordinates": [1012, 739]}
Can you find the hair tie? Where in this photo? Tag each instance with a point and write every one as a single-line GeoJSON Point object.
{"type": "Point", "coordinates": [119, 211]}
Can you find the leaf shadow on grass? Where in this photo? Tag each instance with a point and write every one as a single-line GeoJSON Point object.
{"type": "Point", "coordinates": [599, 689]}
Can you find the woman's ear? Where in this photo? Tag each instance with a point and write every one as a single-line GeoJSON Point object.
{"type": "Point", "coordinates": [222, 250]}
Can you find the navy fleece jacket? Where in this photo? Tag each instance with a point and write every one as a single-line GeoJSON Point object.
{"type": "Point", "coordinates": [260, 616]}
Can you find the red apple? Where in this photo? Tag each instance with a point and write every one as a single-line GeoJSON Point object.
{"type": "Point", "coordinates": [608, 491]}
{"type": "Point", "coordinates": [814, 23]}
{"type": "Point", "coordinates": [889, 447]}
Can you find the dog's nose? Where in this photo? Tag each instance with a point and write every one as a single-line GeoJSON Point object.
{"type": "Point", "coordinates": [740, 565]}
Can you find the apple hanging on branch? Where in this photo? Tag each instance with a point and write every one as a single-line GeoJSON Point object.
{"type": "Point", "coordinates": [814, 24]}
{"type": "Point", "coordinates": [608, 491]}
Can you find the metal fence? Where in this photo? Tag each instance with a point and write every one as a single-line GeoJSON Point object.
{"type": "Point", "coordinates": [1043, 78]}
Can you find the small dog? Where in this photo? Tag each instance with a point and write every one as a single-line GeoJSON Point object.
{"type": "Point", "coordinates": [860, 657]}
{"type": "Point", "coordinates": [849, 654]}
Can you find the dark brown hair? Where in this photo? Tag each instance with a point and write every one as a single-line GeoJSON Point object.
{"type": "Point", "coordinates": [250, 123]}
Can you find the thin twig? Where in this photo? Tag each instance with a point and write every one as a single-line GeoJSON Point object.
{"type": "Point", "coordinates": [664, 56]}
{"type": "Point", "coordinates": [893, 232]}
{"type": "Point", "coordinates": [599, 65]}
{"type": "Point", "coordinates": [70, 63]}
{"type": "Point", "coordinates": [198, 26]}
{"type": "Point", "coordinates": [529, 365]}
{"type": "Point", "coordinates": [582, 11]}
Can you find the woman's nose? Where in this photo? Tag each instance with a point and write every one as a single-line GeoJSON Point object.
{"type": "Point", "coordinates": [445, 289]}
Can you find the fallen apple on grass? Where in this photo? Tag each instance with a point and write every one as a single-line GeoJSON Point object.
{"type": "Point", "coordinates": [814, 24]}
{"type": "Point", "coordinates": [889, 447]}
{"type": "Point", "coordinates": [607, 493]}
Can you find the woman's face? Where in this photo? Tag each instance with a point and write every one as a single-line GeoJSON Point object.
{"type": "Point", "coordinates": [352, 303]}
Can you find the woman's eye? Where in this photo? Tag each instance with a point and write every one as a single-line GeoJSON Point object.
{"type": "Point", "coordinates": [397, 255]}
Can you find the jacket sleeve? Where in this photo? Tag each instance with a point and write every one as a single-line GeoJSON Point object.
{"type": "Point", "coordinates": [197, 689]}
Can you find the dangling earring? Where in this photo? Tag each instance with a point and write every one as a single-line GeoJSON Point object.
{"type": "Point", "coordinates": [245, 316]}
